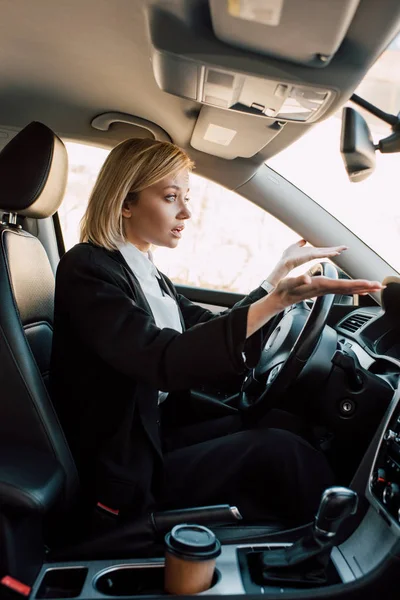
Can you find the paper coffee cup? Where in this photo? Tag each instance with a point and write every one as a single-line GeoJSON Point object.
{"type": "Point", "coordinates": [190, 554]}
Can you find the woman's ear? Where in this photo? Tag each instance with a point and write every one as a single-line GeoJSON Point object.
{"type": "Point", "coordinates": [129, 201]}
{"type": "Point", "coordinates": [126, 209]}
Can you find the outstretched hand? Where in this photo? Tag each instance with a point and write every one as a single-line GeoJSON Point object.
{"type": "Point", "coordinates": [294, 289]}
{"type": "Point", "coordinates": [298, 254]}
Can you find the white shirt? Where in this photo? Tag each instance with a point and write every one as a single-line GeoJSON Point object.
{"type": "Point", "coordinates": [164, 308]}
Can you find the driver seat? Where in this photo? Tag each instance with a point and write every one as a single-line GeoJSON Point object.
{"type": "Point", "coordinates": [39, 482]}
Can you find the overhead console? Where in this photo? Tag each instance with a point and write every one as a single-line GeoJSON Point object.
{"type": "Point", "coordinates": [240, 92]}
{"type": "Point", "coordinates": [255, 67]}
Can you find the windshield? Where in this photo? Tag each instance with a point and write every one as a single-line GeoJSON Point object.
{"type": "Point", "coordinates": [371, 208]}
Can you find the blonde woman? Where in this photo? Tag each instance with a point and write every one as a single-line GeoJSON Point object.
{"type": "Point", "coordinates": [127, 349]}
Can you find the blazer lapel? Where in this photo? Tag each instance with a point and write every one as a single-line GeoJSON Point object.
{"type": "Point", "coordinates": [167, 289]}
{"type": "Point", "coordinates": [132, 279]}
{"type": "Point", "coordinates": [137, 289]}
{"type": "Point", "coordinates": [149, 420]}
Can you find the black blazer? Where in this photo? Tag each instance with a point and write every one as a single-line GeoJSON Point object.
{"type": "Point", "coordinates": [109, 360]}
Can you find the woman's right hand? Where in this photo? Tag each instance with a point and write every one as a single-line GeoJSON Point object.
{"type": "Point", "coordinates": [295, 289]}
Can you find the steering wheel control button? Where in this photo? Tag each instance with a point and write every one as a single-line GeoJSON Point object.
{"type": "Point", "coordinates": [274, 373]}
{"type": "Point", "coordinates": [347, 407]}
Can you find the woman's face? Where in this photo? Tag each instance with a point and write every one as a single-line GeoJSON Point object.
{"type": "Point", "coordinates": [158, 214]}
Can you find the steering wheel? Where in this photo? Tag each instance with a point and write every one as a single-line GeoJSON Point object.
{"type": "Point", "coordinates": [287, 350]}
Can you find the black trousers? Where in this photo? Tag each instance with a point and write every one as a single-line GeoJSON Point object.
{"type": "Point", "coordinates": [267, 471]}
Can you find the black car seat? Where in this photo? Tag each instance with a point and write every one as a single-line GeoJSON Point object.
{"type": "Point", "coordinates": [38, 477]}
{"type": "Point", "coordinates": [33, 176]}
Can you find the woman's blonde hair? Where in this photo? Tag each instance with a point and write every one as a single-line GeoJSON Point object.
{"type": "Point", "coordinates": [130, 167]}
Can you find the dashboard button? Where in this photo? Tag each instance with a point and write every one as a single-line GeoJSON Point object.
{"type": "Point", "coordinates": [379, 480]}
{"type": "Point", "coordinates": [391, 436]}
{"type": "Point", "coordinates": [391, 495]}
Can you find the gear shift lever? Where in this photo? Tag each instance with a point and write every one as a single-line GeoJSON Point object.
{"type": "Point", "coordinates": [306, 560]}
{"type": "Point", "coordinates": [337, 503]}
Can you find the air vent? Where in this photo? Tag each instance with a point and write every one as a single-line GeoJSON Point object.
{"type": "Point", "coordinates": [355, 322]}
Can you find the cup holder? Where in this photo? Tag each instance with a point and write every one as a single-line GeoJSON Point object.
{"type": "Point", "coordinates": [65, 582]}
{"type": "Point", "coordinates": [131, 580]}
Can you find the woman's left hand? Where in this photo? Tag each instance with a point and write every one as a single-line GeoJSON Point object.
{"type": "Point", "coordinates": [298, 254]}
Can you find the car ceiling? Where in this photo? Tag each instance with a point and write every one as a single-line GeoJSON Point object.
{"type": "Point", "coordinates": [65, 62]}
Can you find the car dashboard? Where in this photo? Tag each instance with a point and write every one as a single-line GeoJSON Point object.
{"type": "Point", "coordinates": [372, 334]}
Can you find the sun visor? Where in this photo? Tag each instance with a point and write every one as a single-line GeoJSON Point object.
{"type": "Point", "coordinates": [307, 32]}
{"type": "Point", "coordinates": [228, 135]}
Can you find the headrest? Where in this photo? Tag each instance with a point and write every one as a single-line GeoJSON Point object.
{"type": "Point", "coordinates": [33, 172]}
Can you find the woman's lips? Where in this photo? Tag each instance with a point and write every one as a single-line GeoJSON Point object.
{"type": "Point", "coordinates": [177, 232]}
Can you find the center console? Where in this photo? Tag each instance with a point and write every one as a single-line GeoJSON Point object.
{"type": "Point", "coordinates": [133, 578]}
{"type": "Point", "coordinates": [311, 560]}
{"type": "Point", "coordinates": [349, 564]}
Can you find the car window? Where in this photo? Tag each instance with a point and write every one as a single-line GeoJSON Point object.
{"type": "Point", "coordinates": [229, 243]}
{"type": "Point", "coordinates": [84, 165]}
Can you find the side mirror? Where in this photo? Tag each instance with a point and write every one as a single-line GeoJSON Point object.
{"type": "Point", "coordinates": [356, 146]}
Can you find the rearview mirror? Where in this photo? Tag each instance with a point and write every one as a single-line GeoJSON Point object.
{"type": "Point", "coordinates": [356, 146]}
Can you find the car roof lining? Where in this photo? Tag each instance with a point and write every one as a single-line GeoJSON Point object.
{"type": "Point", "coordinates": [65, 63]}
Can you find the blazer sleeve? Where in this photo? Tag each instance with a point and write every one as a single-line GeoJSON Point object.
{"type": "Point", "coordinates": [251, 348]}
{"type": "Point", "coordinates": [193, 313]}
{"type": "Point", "coordinates": [105, 317]}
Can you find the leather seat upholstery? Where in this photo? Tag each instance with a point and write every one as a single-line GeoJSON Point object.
{"type": "Point", "coordinates": [33, 175]}
{"type": "Point", "coordinates": [32, 282]}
